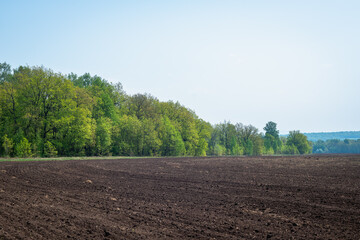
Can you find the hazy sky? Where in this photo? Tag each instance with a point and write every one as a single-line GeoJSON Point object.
{"type": "Point", "coordinates": [296, 63]}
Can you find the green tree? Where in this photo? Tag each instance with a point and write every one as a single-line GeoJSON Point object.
{"type": "Point", "coordinates": [272, 139]}
{"type": "Point", "coordinates": [271, 129]}
{"type": "Point", "coordinates": [228, 133]}
{"type": "Point", "coordinates": [49, 150]}
{"type": "Point", "coordinates": [214, 140]}
{"type": "Point", "coordinates": [225, 135]}
{"type": "Point", "coordinates": [186, 123]}
{"type": "Point", "coordinates": [151, 141]}
{"type": "Point", "coordinates": [76, 132]}
{"type": "Point", "coordinates": [290, 149]}
{"type": "Point", "coordinates": [103, 136]}
{"type": "Point", "coordinates": [250, 138]}
{"type": "Point", "coordinates": [23, 148]}
{"type": "Point", "coordinates": [105, 95]}
{"type": "Point", "coordinates": [235, 148]}
{"type": "Point", "coordinates": [10, 113]}
{"type": "Point", "coordinates": [127, 138]}
{"type": "Point", "coordinates": [189, 133]}
{"type": "Point", "coordinates": [204, 131]}
{"type": "Point", "coordinates": [219, 150]}
{"type": "Point", "coordinates": [172, 143]}
{"type": "Point", "coordinates": [142, 106]}
{"type": "Point", "coordinates": [52, 109]}
{"type": "Point", "coordinates": [249, 147]}
{"type": "Point", "coordinates": [5, 72]}
{"type": "Point", "coordinates": [8, 146]}
{"type": "Point", "coordinates": [258, 144]}
{"type": "Point", "coordinates": [78, 115]}
{"type": "Point", "coordinates": [299, 141]}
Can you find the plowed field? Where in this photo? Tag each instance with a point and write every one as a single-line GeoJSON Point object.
{"type": "Point", "coordinates": [302, 197]}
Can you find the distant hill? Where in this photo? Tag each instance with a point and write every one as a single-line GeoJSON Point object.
{"type": "Point", "coordinates": [332, 135]}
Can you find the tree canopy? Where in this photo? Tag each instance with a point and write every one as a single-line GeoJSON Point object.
{"type": "Point", "coordinates": [298, 142]}
{"type": "Point", "coordinates": [272, 140]}
{"type": "Point", "coordinates": [43, 113]}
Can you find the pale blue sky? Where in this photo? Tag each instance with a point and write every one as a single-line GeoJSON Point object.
{"type": "Point", "coordinates": [296, 63]}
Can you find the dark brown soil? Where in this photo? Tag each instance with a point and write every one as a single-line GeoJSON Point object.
{"type": "Point", "coordinates": [303, 197]}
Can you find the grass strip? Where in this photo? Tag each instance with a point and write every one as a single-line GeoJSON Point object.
{"type": "Point", "coordinates": [67, 158]}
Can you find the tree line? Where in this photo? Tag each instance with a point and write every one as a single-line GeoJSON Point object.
{"type": "Point", "coordinates": [46, 114]}
{"type": "Point", "coordinates": [337, 146]}
{"type": "Point", "coordinates": [324, 136]}
{"type": "Point", "coordinates": [239, 139]}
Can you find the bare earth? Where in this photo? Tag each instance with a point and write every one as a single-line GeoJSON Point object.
{"type": "Point", "coordinates": [302, 197]}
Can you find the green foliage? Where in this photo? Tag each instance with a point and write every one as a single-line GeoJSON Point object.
{"type": "Point", "coordinates": [272, 139]}
{"type": "Point", "coordinates": [172, 143]}
{"type": "Point", "coordinates": [299, 141]}
{"type": "Point", "coordinates": [86, 115]}
{"type": "Point", "coordinates": [224, 134]}
{"type": "Point", "coordinates": [337, 146]}
{"type": "Point", "coordinates": [127, 136]}
{"type": "Point", "coordinates": [236, 139]}
{"type": "Point", "coordinates": [325, 136]}
{"type": "Point", "coordinates": [269, 141]}
{"type": "Point", "coordinates": [8, 146]}
{"type": "Point", "coordinates": [290, 149]}
{"type": "Point", "coordinates": [268, 151]}
{"type": "Point", "coordinates": [249, 147]}
{"type": "Point", "coordinates": [151, 141]}
{"type": "Point", "coordinates": [251, 139]}
{"type": "Point", "coordinates": [142, 105]}
{"type": "Point", "coordinates": [49, 150]}
{"type": "Point", "coordinates": [219, 150]}
{"type": "Point", "coordinates": [49, 114]}
{"type": "Point", "coordinates": [271, 129]}
{"type": "Point", "coordinates": [204, 132]}
{"type": "Point", "coordinates": [258, 144]}
{"type": "Point", "coordinates": [237, 150]}
{"type": "Point", "coordinates": [5, 72]}
{"type": "Point", "coordinates": [106, 97]}
{"type": "Point", "coordinates": [103, 136]}
{"type": "Point", "coordinates": [23, 148]}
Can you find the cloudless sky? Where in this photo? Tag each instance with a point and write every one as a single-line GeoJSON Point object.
{"type": "Point", "coordinates": [296, 63]}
